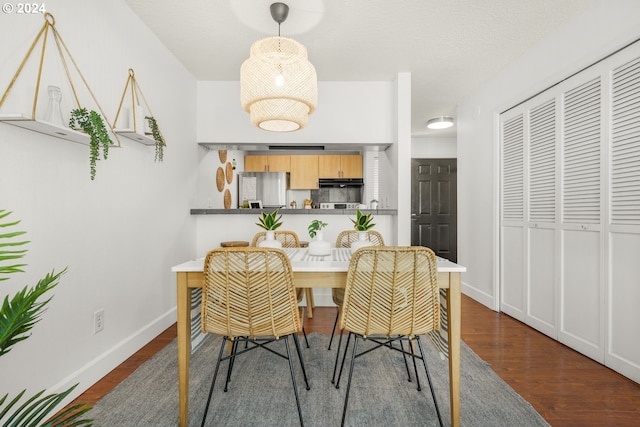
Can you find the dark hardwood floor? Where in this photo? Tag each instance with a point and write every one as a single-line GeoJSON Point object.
{"type": "Point", "coordinates": [565, 387]}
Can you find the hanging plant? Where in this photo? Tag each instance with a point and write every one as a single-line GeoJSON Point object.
{"type": "Point", "coordinates": [93, 125]}
{"type": "Point", "coordinates": [157, 137]}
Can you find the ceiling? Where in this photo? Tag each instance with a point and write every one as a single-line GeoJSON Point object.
{"type": "Point", "coordinates": [450, 47]}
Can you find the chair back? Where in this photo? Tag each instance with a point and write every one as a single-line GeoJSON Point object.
{"type": "Point", "coordinates": [391, 290]}
{"type": "Point", "coordinates": [289, 239]}
{"type": "Point", "coordinates": [345, 238]}
{"type": "Point", "coordinates": [249, 292]}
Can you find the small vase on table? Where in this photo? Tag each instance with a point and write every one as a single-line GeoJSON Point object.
{"type": "Point", "coordinates": [270, 241]}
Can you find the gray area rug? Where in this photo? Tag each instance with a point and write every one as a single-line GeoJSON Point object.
{"type": "Point", "coordinates": [261, 393]}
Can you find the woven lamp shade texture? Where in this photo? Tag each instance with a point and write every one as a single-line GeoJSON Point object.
{"type": "Point", "coordinates": [278, 85]}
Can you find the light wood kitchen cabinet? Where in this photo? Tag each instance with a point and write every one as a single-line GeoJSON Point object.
{"type": "Point", "coordinates": [304, 172]}
{"type": "Point", "coordinates": [340, 166]}
{"type": "Point", "coordinates": [267, 164]}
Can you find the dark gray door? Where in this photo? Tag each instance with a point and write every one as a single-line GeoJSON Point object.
{"type": "Point", "coordinates": [434, 206]}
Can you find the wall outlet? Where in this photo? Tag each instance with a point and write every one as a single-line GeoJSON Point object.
{"type": "Point", "coordinates": [98, 321]}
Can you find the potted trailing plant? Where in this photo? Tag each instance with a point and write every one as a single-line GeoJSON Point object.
{"type": "Point", "coordinates": [362, 224]}
{"type": "Point", "coordinates": [157, 137]}
{"type": "Point", "coordinates": [318, 246]}
{"type": "Point", "coordinates": [18, 315]}
{"type": "Point", "coordinates": [92, 124]}
{"type": "Point", "coordinates": [270, 222]}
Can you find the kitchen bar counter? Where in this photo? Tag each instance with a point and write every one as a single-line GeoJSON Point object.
{"type": "Point", "coordinates": [285, 211]}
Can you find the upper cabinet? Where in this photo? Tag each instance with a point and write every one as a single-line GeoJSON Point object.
{"type": "Point", "coordinates": [340, 166]}
{"type": "Point", "coordinates": [304, 172]}
{"type": "Point", "coordinates": [267, 163]}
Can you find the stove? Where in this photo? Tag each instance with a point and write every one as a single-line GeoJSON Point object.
{"type": "Point", "coordinates": [340, 205]}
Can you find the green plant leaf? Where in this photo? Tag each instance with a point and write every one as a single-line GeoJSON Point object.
{"type": "Point", "coordinates": [157, 137]}
{"type": "Point", "coordinates": [36, 409]}
{"type": "Point", "coordinates": [362, 222]}
{"type": "Point", "coordinates": [269, 221]}
{"type": "Point", "coordinates": [19, 314]}
{"type": "Point", "coordinates": [6, 245]}
{"type": "Point", "coordinates": [91, 122]}
{"type": "Point", "coordinates": [315, 226]}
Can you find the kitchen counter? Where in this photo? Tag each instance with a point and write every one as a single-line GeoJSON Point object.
{"type": "Point", "coordinates": [206, 211]}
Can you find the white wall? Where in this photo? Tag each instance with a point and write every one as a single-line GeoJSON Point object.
{"type": "Point", "coordinates": [434, 147]}
{"type": "Point", "coordinates": [600, 29]}
{"type": "Point", "coordinates": [348, 112]}
{"type": "Point", "coordinates": [118, 235]}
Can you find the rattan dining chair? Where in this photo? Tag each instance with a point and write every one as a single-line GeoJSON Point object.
{"type": "Point", "coordinates": [391, 295]}
{"type": "Point", "coordinates": [249, 296]}
{"type": "Point", "coordinates": [289, 239]}
{"type": "Point", "coordinates": [344, 240]}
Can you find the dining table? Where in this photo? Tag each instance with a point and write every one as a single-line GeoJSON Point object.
{"type": "Point", "coordinates": [313, 271]}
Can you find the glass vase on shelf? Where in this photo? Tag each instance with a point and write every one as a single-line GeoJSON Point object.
{"type": "Point", "coordinates": [54, 112]}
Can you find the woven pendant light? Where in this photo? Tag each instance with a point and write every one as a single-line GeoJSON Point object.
{"type": "Point", "coordinates": [278, 85]}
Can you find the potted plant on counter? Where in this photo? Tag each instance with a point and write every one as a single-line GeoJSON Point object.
{"type": "Point", "coordinates": [362, 224]}
{"type": "Point", "coordinates": [318, 246]}
{"type": "Point", "coordinates": [270, 222]}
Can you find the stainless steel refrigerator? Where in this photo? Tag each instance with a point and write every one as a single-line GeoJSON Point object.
{"type": "Point", "coordinates": [268, 188]}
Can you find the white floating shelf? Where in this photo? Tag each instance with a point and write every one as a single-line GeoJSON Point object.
{"type": "Point", "coordinates": [25, 121]}
{"type": "Point", "coordinates": [135, 136]}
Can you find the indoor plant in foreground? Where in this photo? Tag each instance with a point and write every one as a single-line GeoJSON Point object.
{"type": "Point", "coordinates": [362, 224]}
{"type": "Point", "coordinates": [318, 246]}
{"type": "Point", "coordinates": [18, 315]}
{"type": "Point", "coordinates": [270, 222]}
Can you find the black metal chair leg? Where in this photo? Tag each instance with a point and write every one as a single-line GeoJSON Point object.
{"type": "Point", "coordinates": [215, 375]}
{"type": "Point", "coordinates": [346, 346]}
{"type": "Point", "coordinates": [415, 366]}
{"type": "Point", "coordinates": [404, 356]}
{"type": "Point", "coordinates": [346, 397]}
{"type": "Point", "coordinates": [293, 380]}
{"type": "Point", "coordinates": [333, 331]}
{"type": "Point", "coordinates": [424, 361]}
{"type": "Point", "coordinates": [335, 365]}
{"type": "Point", "coordinates": [304, 371]}
{"type": "Point", "coordinates": [234, 349]}
{"type": "Point", "coordinates": [304, 333]}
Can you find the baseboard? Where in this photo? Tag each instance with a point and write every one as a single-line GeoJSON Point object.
{"type": "Point", "coordinates": [482, 297]}
{"type": "Point", "coordinates": [97, 368]}
{"type": "Point", "coordinates": [321, 298]}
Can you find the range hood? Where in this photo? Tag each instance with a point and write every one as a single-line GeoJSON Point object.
{"type": "Point", "coordinates": [340, 182]}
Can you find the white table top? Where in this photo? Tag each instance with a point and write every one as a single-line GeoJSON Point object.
{"type": "Point", "coordinates": [301, 261]}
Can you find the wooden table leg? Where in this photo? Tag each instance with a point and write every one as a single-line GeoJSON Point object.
{"type": "Point", "coordinates": [184, 346]}
{"type": "Point", "coordinates": [454, 317]}
{"type": "Point", "coordinates": [310, 303]}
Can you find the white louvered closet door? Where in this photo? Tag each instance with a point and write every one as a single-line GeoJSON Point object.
{"type": "Point", "coordinates": [623, 319]}
{"type": "Point", "coordinates": [542, 228]}
{"type": "Point", "coordinates": [512, 229]}
{"type": "Point", "coordinates": [581, 285]}
{"type": "Point", "coordinates": [570, 212]}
